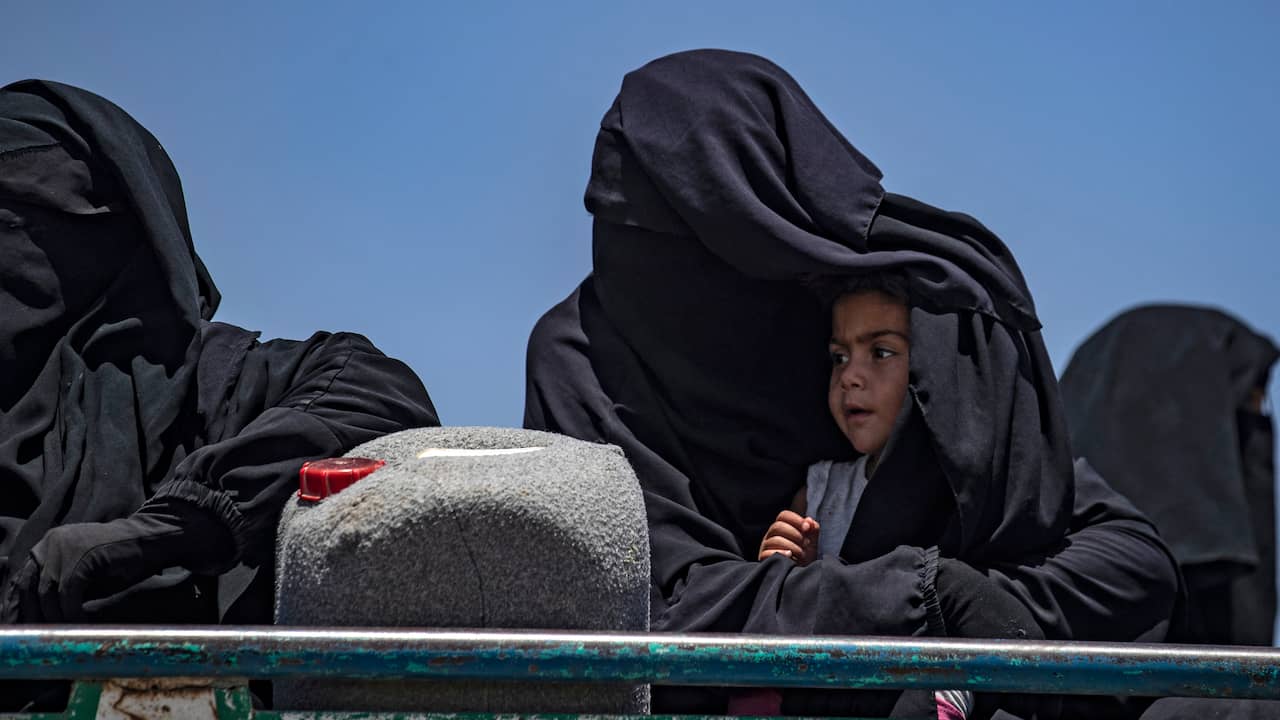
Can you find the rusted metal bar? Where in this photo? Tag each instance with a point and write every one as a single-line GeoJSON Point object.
{"type": "Point", "coordinates": [683, 659]}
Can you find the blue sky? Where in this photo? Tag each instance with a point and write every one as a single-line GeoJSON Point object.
{"type": "Point", "coordinates": [415, 171]}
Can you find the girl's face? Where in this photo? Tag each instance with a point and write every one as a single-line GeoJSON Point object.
{"type": "Point", "coordinates": [870, 344]}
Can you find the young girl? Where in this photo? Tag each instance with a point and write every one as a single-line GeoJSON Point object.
{"type": "Point", "coordinates": [870, 350]}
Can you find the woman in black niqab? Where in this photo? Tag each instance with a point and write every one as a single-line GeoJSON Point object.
{"type": "Point", "coordinates": [1165, 401]}
{"type": "Point", "coordinates": [104, 297]}
{"type": "Point", "coordinates": [145, 451]}
{"type": "Point", "coordinates": [719, 191]}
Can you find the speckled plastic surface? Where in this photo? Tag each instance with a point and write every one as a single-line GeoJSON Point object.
{"type": "Point", "coordinates": [553, 538]}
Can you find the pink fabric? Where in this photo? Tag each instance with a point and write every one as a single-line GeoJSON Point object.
{"type": "Point", "coordinates": [947, 711]}
{"type": "Point", "coordinates": [756, 701]}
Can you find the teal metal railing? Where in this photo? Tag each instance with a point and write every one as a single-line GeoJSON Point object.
{"type": "Point", "coordinates": [681, 659]}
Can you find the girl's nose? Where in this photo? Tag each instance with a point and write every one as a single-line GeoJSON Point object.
{"type": "Point", "coordinates": [851, 377]}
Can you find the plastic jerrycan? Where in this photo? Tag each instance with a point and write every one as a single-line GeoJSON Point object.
{"type": "Point", "coordinates": [466, 527]}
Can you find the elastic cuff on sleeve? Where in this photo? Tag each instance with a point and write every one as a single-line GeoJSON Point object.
{"type": "Point", "coordinates": [219, 504]}
{"type": "Point", "coordinates": [929, 584]}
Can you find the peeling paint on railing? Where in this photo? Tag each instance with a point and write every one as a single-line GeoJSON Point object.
{"type": "Point", "coordinates": [683, 659]}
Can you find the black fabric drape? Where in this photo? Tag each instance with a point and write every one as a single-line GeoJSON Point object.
{"type": "Point", "coordinates": [115, 389]}
{"type": "Point", "coordinates": [719, 191]}
{"type": "Point", "coordinates": [102, 312]}
{"type": "Point", "coordinates": [1157, 401]}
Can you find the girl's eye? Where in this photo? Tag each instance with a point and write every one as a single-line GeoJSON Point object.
{"type": "Point", "coordinates": [837, 357]}
{"type": "Point", "coordinates": [882, 353]}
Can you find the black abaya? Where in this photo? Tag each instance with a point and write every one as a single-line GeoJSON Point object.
{"type": "Point", "coordinates": [719, 193]}
{"type": "Point", "coordinates": [145, 452]}
{"type": "Point", "coordinates": [1158, 401]}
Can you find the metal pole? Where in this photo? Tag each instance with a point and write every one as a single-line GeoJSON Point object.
{"type": "Point", "coordinates": [681, 659]}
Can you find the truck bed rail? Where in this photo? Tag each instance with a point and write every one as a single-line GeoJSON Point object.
{"type": "Point", "coordinates": [661, 658]}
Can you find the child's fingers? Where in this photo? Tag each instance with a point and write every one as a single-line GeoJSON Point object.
{"type": "Point", "coordinates": [811, 531]}
{"type": "Point", "coordinates": [777, 542]}
{"type": "Point", "coordinates": [782, 529]}
{"type": "Point", "coordinates": [766, 553]}
{"type": "Point", "coordinates": [807, 554]}
{"type": "Point", "coordinates": [790, 518]}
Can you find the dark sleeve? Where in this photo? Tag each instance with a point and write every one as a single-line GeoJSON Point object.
{"type": "Point", "coordinates": [1113, 580]}
{"type": "Point", "coordinates": [702, 580]}
{"type": "Point", "coordinates": [284, 402]}
{"type": "Point", "coordinates": [702, 583]}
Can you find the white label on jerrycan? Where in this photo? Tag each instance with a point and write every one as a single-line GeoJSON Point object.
{"type": "Point", "coordinates": [460, 452]}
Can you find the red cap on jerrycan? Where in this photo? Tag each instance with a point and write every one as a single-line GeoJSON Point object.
{"type": "Point", "coordinates": [319, 479]}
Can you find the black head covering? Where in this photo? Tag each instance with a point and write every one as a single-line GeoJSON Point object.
{"type": "Point", "coordinates": [1157, 401]}
{"type": "Point", "coordinates": [720, 193]}
{"type": "Point", "coordinates": [717, 186]}
{"type": "Point", "coordinates": [101, 300]}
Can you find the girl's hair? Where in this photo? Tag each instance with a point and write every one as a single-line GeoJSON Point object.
{"type": "Point", "coordinates": [830, 288]}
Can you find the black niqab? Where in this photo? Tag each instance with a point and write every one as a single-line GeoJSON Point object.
{"type": "Point", "coordinates": [1157, 401]}
{"type": "Point", "coordinates": [122, 401]}
{"type": "Point", "coordinates": [718, 191]}
{"type": "Point", "coordinates": [707, 192]}
{"type": "Point", "coordinates": [75, 166]}
{"type": "Point", "coordinates": [145, 452]}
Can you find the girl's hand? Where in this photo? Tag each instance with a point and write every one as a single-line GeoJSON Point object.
{"type": "Point", "coordinates": [793, 536]}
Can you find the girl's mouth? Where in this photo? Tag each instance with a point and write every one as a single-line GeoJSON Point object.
{"type": "Point", "coordinates": [857, 414]}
